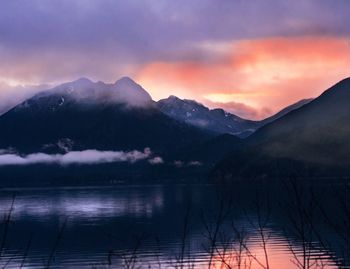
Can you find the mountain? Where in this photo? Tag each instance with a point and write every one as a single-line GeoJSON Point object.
{"type": "Point", "coordinates": [90, 125]}
{"type": "Point", "coordinates": [213, 150]}
{"type": "Point", "coordinates": [285, 111]}
{"type": "Point", "coordinates": [120, 119]}
{"type": "Point", "coordinates": [11, 96]}
{"type": "Point", "coordinates": [215, 120]}
{"type": "Point", "coordinates": [87, 115]}
{"type": "Point", "coordinates": [312, 141]}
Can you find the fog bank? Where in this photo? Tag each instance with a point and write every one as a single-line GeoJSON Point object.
{"type": "Point", "coordinates": [90, 156]}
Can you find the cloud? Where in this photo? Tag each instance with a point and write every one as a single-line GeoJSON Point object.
{"type": "Point", "coordinates": [187, 48]}
{"type": "Point", "coordinates": [156, 160]}
{"type": "Point", "coordinates": [13, 95]}
{"type": "Point", "coordinates": [240, 109]}
{"type": "Point", "coordinates": [180, 164]}
{"type": "Point", "coordinates": [86, 157]}
{"type": "Point", "coordinates": [194, 163]}
{"type": "Point", "coordinates": [123, 91]}
{"type": "Point", "coordinates": [263, 74]}
{"type": "Point", "coordinates": [4, 151]}
{"type": "Point", "coordinates": [106, 39]}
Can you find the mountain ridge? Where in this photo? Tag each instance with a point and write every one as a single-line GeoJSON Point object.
{"type": "Point", "coordinates": [309, 141]}
{"type": "Point", "coordinates": [93, 115]}
{"type": "Point", "coordinates": [217, 119]}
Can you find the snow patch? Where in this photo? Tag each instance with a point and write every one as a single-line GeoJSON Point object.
{"type": "Point", "coordinates": [61, 101]}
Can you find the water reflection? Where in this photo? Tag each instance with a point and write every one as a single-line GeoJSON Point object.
{"type": "Point", "coordinates": [84, 204]}
{"type": "Point", "coordinates": [147, 227]}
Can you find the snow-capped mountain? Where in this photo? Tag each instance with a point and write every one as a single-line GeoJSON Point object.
{"type": "Point", "coordinates": [85, 92]}
{"type": "Point", "coordinates": [94, 115]}
{"type": "Point", "coordinates": [122, 116]}
{"type": "Point", "coordinates": [85, 116]}
{"type": "Point", "coordinates": [215, 120]}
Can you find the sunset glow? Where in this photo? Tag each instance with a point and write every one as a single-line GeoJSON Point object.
{"type": "Point", "coordinates": [175, 134]}
{"type": "Point", "coordinates": [251, 58]}
{"type": "Point", "coordinates": [264, 74]}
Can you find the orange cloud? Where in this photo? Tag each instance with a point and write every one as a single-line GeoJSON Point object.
{"type": "Point", "coordinates": [265, 74]}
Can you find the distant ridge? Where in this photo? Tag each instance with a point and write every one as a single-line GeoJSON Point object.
{"type": "Point", "coordinates": [126, 91]}
{"type": "Point", "coordinates": [217, 120]}
{"type": "Point", "coordinates": [286, 110]}
{"type": "Point", "coordinates": [311, 141]}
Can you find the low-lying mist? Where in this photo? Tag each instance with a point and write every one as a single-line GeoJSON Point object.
{"type": "Point", "coordinates": [89, 156]}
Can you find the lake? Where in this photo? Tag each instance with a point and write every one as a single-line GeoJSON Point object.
{"type": "Point", "coordinates": [171, 226]}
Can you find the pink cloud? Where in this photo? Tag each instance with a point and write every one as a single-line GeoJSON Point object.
{"type": "Point", "coordinates": [262, 73]}
{"type": "Point", "coordinates": [240, 109]}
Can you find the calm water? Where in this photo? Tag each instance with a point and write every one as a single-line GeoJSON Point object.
{"type": "Point", "coordinates": [154, 227]}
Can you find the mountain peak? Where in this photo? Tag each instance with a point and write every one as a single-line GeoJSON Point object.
{"type": "Point", "coordinates": [345, 83]}
{"type": "Point", "coordinates": [173, 97]}
{"type": "Point", "coordinates": [128, 91]}
{"type": "Point", "coordinates": [194, 113]}
{"type": "Point", "coordinates": [82, 81]}
{"type": "Point", "coordinates": [84, 91]}
{"type": "Point", "coordinates": [125, 80]}
{"type": "Point", "coordinates": [345, 80]}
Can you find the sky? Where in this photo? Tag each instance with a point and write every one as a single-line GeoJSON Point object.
{"type": "Point", "coordinates": [251, 57]}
